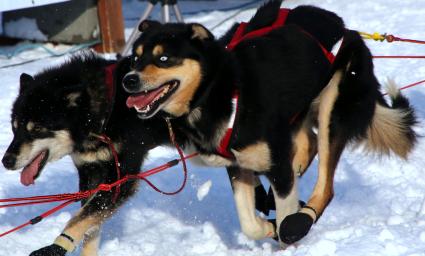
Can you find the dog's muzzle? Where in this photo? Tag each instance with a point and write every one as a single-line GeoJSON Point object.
{"type": "Point", "coordinates": [9, 161]}
{"type": "Point", "coordinates": [131, 83]}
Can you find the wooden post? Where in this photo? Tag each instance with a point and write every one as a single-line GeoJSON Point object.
{"type": "Point", "coordinates": [111, 24]}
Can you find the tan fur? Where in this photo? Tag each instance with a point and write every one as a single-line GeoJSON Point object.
{"type": "Point", "coordinates": [158, 50]}
{"type": "Point", "coordinates": [72, 99]}
{"type": "Point", "coordinates": [287, 205]}
{"type": "Point", "coordinates": [139, 50]}
{"type": "Point", "coordinates": [189, 75]}
{"type": "Point", "coordinates": [256, 157]}
{"type": "Point", "coordinates": [78, 226]}
{"type": "Point", "coordinates": [82, 223]}
{"type": "Point", "coordinates": [387, 132]}
{"type": "Point", "coordinates": [59, 145]}
{"type": "Point", "coordinates": [190, 72]}
{"type": "Point", "coordinates": [30, 126]}
{"type": "Point", "coordinates": [215, 160]}
{"type": "Point", "coordinates": [323, 189]}
{"type": "Point", "coordinates": [65, 243]}
{"type": "Point", "coordinates": [309, 212]}
{"type": "Point", "coordinates": [252, 226]}
{"type": "Point", "coordinates": [194, 116]}
{"type": "Point", "coordinates": [101, 154]}
{"type": "Point", "coordinates": [15, 124]}
{"type": "Point", "coordinates": [304, 147]}
{"type": "Point", "coordinates": [199, 32]}
{"type": "Point", "coordinates": [91, 242]}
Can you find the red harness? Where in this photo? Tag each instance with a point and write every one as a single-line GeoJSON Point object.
{"type": "Point", "coordinates": [239, 37]}
{"type": "Point", "coordinates": [109, 81]}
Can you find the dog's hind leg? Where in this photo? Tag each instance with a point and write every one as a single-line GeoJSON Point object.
{"type": "Point", "coordinates": [330, 147]}
{"type": "Point", "coordinates": [304, 143]}
{"type": "Point", "coordinates": [243, 183]}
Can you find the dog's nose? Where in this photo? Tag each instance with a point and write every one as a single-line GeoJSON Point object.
{"type": "Point", "coordinates": [131, 83]}
{"type": "Point", "coordinates": [9, 161]}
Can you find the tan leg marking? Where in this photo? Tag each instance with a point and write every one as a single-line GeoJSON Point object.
{"type": "Point", "coordinates": [323, 190]}
{"type": "Point", "coordinates": [91, 242]}
{"type": "Point", "coordinates": [288, 205]}
{"type": "Point", "coordinates": [305, 147]}
{"type": "Point", "coordinates": [78, 226]}
{"type": "Point", "coordinates": [256, 157]}
{"type": "Point", "coordinates": [252, 225]}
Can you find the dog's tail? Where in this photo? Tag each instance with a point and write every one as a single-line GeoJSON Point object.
{"type": "Point", "coordinates": [365, 115]}
{"type": "Point", "coordinates": [391, 126]}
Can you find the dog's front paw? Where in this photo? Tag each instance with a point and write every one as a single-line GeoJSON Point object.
{"type": "Point", "coordinates": [294, 227]}
{"type": "Point", "coordinates": [51, 250]}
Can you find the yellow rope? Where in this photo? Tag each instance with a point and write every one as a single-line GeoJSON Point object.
{"type": "Point", "coordinates": [375, 36]}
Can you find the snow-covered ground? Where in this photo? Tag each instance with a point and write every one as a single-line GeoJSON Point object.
{"type": "Point", "coordinates": [378, 208]}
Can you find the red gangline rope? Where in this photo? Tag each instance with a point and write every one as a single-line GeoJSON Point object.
{"type": "Point", "coordinates": [74, 197]}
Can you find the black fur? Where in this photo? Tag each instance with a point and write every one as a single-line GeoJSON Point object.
{"type": "Point", "coordinates": [277, 76]}
{"type": "Point", "coordinates": [42, 100]}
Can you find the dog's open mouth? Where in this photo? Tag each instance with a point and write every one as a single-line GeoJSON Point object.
{"type": "Point", "coordinates": [33, 169]}
{"type": "Point", "coordinates": [147, 103]}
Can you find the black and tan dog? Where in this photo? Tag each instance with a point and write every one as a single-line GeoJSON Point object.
{"type": "Point", "coordinates": [286, 87]}
{"type": "Point", "coordinates": [56, 113]}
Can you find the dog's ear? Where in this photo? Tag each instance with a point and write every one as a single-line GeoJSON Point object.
{"type": "Point", "coordinates": [148, 24]}
{"type": "Point", "coordinates": [200, 32]}
{"type": "Point", "coordinates": [24, 82]}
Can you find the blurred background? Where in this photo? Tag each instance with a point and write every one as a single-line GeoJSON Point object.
{"type": "Point", "coordinates": [102, 24]}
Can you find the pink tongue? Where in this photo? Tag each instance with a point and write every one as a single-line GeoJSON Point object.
{"type": "Point", "coordinates": [142, 100]}
{"type": "Point", "coordinates": [31, 170]}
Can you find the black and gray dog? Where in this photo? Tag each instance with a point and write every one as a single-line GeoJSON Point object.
{"type": "Point", "coordinates": [286, 87]}
{"type": "Point", "coordinates": [56, 113]}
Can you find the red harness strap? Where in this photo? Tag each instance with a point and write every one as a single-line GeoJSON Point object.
{"type": "Point", "coordinates": [109, 81]}
{"type": "Point", "coordinates": [238, 37]}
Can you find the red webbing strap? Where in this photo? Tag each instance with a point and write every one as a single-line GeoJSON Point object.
{"type": "Point", "coordinates": [222, 148]}
{"type": "Point", "coordinates": [109, 81]}
{"type": "Point", "coordinates": [237, 38]}
{"type": "Point", "coordinates": [39, 218]}
{"type": "Point", "coordinates": [224, 144]}
{"type": "Point", "coordinates": [328, 55]}
{"type": "Point", "coordinates": [105, 139]}
{"type": "Point", "coordinates": [239, 34]}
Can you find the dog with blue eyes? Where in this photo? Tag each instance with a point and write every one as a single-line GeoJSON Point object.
{"type": "Point", "coordinates": [264, 99]}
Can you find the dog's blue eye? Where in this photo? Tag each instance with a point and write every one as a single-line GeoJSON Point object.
{"type": "Point", "coordinates": [163, 58]}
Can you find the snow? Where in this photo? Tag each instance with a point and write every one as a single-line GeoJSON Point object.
{"type": "Point", "coordinates": [379, 204]}
{"type": "Point", "coordinates": [203, 190]}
